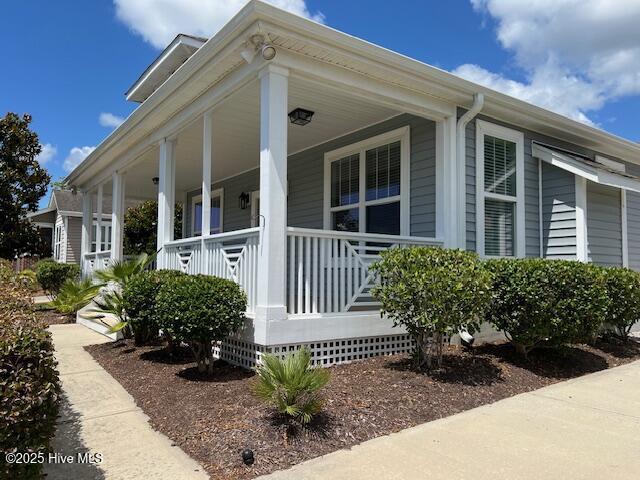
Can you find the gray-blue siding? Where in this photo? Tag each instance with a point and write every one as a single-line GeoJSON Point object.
{"type": "Point", "coordinates": [558, 213]}
{"type": "Point", "coordinates": [306, 180]}
{"type": "Point", "coordinates": [604, 225]}
{"type": "Point", "coordinates": [633, 221]}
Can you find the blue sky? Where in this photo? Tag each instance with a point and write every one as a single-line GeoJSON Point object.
{"type": "Point", "coordinates": [70, 62]}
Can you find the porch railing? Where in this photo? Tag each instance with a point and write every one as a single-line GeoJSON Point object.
{"type": "Point", "coordinates": [232, 255]}
{"type": "Point", "coordinates": [95, 261]}
{"type": "Point", "coordinates": [328, 271]}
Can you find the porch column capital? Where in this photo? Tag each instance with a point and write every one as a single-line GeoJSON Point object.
{"type": "Point", "coordinates": [273, 69]}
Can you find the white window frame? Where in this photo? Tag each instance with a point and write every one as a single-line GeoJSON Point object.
{"type": "Point", "coordinates": [105, 237]}
{"type": "Point", "coordinates": [486, 128]}
{"type": "Point", "coordinates": [57, 242]}
{"type": "Point", "coordinates": [403, 135]}
{"type": "Point", "coordinates": [219, 192]}
{"type": "Point", "coordinates": [255, 212]}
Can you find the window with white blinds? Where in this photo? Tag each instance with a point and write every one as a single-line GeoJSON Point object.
{"type": "Point", "coordinates": [366, 186]}
{"type": "Point", "coordinates": [500, 199]}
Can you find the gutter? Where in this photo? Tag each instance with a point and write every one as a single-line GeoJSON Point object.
{"type": "Point", "coordinates": [461, 147]}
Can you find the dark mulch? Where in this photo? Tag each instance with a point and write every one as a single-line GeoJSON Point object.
{"type": "Point", "coordinates": [51, 317]}
{"type": "Point", "coordinates": [214, 418]}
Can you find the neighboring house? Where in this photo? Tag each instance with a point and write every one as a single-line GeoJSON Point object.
{"type": "Point", "coordinates": [301, 152]}
{"type": "Point", "coordinates": [60, 224]}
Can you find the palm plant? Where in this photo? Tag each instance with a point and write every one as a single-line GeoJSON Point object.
{"type": "Point", "coordinates": [75, 295]}
{"type": "Point", "coordinates": [291, 385]}
{"type": "Point", "coordinates": [110, 303]}
{"type": "Point", "coordinates": [122, 271]}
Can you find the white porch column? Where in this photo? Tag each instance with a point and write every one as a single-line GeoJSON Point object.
{"type": "Point", "coordinates": [166, 193]}
{"type": "Point", "coordinates": [99, 202]}
{"type": "Point", "coordinates": [582, 246]}
{"type": "Point", "coordinates": [85, 239]}
{"type": "Point", "coordinates": [207, 155]}
{"type": "Point", "coordinates": [446, 183]}
{"type": "Point", "coordinates": [271, 300]}
{"type": "Point", "coordinates": [117, 216]}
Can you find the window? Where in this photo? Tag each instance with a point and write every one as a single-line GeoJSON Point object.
{"type": "Point", "coordinates": [216, 213]}
{"type": "Point", "coordinates": [366, 185]}
{"type": "Point", "coordinates": [57, 243]}
{"type": "Point", "coordinates": [105, 239]}
{"type": "Point", "coordinates": [499, 191]}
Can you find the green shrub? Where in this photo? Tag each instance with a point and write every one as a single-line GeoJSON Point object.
{"type": "Point", "coordinates": [74, 295]}
{"type": "Point", "coordinates": [139, 299]}
{"type": "Point", "coordinates": [547, 302]}
{"type": "Point", "coordinates": [291, 385]}
{"type": "Point", "coordinates": [432, 292]}
{"type": "Point", "coordinates": [52, 275]}
{"type": "Point", "coordinates": [199, 310]}
{"type": "Point", "coordinates": [29, 384]}
{"type": "Point", "coordinates": [623, 288]}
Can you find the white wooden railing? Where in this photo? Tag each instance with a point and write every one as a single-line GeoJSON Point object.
{"type": "Point", "coordinates": [95, 261]}
{"type": "Point", "coordinates": [232, 255]}
{"type": "Point", "coordinates": [328, 271]}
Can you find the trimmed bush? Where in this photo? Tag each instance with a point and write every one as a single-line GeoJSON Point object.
{"type": "Point", "coordinates": [29, 384]}
{"type": "Point", "coordinates": [52, 275]}
{"type": "Point", "coordinates": [432, 292]}
{"type": "Point", "coordinates": [623, 288]}
{"type": "Point", "coordinates": [548, 303]}
{"type": "Point", "coordinates": [139, 301]}
{"type": "Point", "coordinates": [200, 310]}
{"type": "Point", "coordinates": [291, 385]}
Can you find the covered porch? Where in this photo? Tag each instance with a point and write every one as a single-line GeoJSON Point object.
{"type": "Point", "coordinates": [295, 214]}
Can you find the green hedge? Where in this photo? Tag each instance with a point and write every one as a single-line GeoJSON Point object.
{"type": "Point", "coordinates": [541, 302]}
{"type": "Point", "coordinates": [623, 287]}
{"type": "Point", "coordinates": [29, 384]}
{"type": "Point", "coordinates": [200, 310]}
{"type": "Point", "coordinates": [432, 292]}
{"type": "Point", "coordinates": [139, 300]}
{"type": "Point", "coordinates": [52, 275]}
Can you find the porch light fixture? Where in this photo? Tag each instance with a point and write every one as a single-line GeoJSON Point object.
{"type": "Point", "coordinates": [257, 43]}
{"type": "Point", "coordinates": [244, 200]}
{"type": "Point", "coordinates": [155, 180]}
{"type": "Point", "coordinates": [300, 116]}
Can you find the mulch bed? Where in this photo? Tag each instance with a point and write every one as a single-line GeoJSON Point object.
{"type": "Point", "coordinates": [214, 419]}
{"type": "Point", "coordinates": [51, 317]}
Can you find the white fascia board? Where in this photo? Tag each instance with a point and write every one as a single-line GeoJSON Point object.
{"type": "Point", "coordinates": [583, 170]}
{"type": "Point", "coordinates": [40, 212]}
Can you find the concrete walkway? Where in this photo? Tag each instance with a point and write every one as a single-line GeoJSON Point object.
{"type": "Point", "coordinates": [587, 428]}
{"type": "Point", "coordinates": [99, 416]}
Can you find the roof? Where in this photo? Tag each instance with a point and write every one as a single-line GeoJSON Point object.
{"type": "Point", "coordinates": [221, 55]}
{"type": "Point", "coordinates": [169, 60]}
{"type": "Point", "coordinates": [585, 167]}
{"type": "Point", "coordinates": [67, 202]}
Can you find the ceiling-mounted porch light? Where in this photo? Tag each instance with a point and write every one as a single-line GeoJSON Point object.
{"type": "Point", "coordinates": [155, 180]}
{"type": "Point", "coordinates": [300, 116]}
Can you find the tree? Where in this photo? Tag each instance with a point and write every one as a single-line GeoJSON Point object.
{"type": "Point", "coordinates": [141, 227]}
{"type": "Point", "coordinates": [23, 182]}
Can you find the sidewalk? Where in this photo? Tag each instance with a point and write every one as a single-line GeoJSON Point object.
{"type": "Point", "coordinates": [99, 416]}
{"type": "Point", "coordinates": [586, 428]}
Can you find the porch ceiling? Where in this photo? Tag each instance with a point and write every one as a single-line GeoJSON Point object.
{"type": "Point", "coordinates": [237, 134]}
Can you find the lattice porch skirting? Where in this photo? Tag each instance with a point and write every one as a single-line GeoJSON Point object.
{"type": "Point", "coordinates": [325, 353]}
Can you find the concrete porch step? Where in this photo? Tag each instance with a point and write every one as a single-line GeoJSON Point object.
{"type": "Point", "coordinates": [98, 325]}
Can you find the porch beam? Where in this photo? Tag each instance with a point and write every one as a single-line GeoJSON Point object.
{"type": "Point", "coordinates": [117, 216]}
{"type": "Point", "coordinates": [85, 238]}
{"type": "Point", "coordinates": [166, 194]}
{"type": "Point", "coordinates": [271, 300]}
{"type": "Point", "coordinates": [99, 202]}
{"type": "Point", "coordinates": [207, 156]}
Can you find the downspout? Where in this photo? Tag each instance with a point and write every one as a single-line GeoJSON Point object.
{"type": "Point", "coordinates": [463, 121]}
{"type": "Point", "coordinates": [461, 158]}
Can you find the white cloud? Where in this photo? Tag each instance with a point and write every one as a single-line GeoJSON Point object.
{"type": "Point", "coordinates": [110, 120]}
{"type": "Point", "coordinates": [159, 21]}
{"type": "Point", "coordinates": [75, 157]}
{"type": "Point", "coordinates": [47, 153]}
{"type": "Point", "coordinates": [576, 54]}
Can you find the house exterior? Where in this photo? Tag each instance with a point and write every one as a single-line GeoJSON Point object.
{"type": "Point", "coordinates": [60, 224]}
{"type": "Point", "coordinates": [302, 152]}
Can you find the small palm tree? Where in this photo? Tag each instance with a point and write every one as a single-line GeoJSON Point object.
{"type": "Point", "coordinates": [75, 295]}
{"type": "Point", "coordinates": [122, 271]}
{"type": "Point", "coordinates": [291, 385]}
